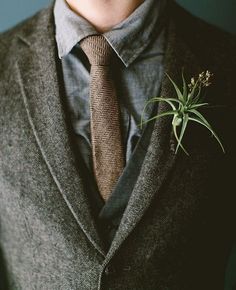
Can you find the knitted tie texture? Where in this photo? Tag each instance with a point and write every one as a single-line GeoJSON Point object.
{"type": "Point", "coordinates": [106, 139]}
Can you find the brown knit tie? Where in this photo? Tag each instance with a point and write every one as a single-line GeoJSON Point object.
{"type": "Point", "coordinates": [107, 147]}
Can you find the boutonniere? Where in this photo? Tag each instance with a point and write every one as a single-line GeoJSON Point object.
{"type": "Point", "coordinates": [185, 108]}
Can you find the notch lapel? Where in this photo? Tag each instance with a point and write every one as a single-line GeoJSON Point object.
{"type": "Point", "coordinates": [160, 157]}
{"type": "Point", "coordinates": [39, 79]}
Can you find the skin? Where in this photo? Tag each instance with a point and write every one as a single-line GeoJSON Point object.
{"type": "Point", "coordinates": [104, 14]}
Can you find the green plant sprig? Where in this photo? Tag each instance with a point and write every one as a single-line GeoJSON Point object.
{"type": "Point", "coordinates": [185, 107]}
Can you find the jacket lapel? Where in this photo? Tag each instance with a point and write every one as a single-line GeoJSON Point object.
{"type": "Point", "coordinates": [160, 157]}
{"type": "Point", "coordinates": [39, 78]}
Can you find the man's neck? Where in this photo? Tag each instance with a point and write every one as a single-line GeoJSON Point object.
{"type": "Point", "coordinates": [104, 14]}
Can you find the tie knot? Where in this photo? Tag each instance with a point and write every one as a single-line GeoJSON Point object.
{"type": "Point", "coordinates": [97, 49]}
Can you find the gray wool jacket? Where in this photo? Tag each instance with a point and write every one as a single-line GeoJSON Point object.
{"type": "Point", "coordinates": [179, 224]}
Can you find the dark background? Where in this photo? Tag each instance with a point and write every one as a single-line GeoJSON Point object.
{"type": "Point", "coordinates": [222, 13]}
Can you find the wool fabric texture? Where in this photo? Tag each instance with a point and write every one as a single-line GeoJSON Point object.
{"type": "Point", "coordinates": [178, 227]}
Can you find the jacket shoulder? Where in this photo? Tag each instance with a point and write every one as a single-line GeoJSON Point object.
{"type": "Point", "coordinates": [27, 29]}
{"type": "Point", "coordinates": [15, 45]}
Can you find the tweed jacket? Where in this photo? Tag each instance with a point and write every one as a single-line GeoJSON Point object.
{"type": "Point", "coordinates": [178, 227]}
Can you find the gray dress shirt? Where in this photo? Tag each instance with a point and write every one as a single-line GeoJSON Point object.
{"type": "Point", "coordinates": [139, 43]}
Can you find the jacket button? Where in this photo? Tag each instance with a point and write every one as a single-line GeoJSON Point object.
{"type": "Point", "coordinates": [109, 271]}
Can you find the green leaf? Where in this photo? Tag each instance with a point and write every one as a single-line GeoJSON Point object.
{"type": "Point", "coordinates": [198, 105]}
{"type": "Point", "coordinates": [196, 98]}
{"type": "Point", "coordinates": [177, 138]}
{"type": "Point", "coordinates": [184, 109]}
{"type": "Point", "coordinates": [200, 116]}
{"type": "Point", "coordinates": [210, 129]}
{"type": "Point", "coordinates": [177, 120]}
{"type": "Point", "coordinates": [169, 101]}
{"type": "Point", "coordinates": [184, 126]}
{"type": "Point", "coordinates": [159, 116]}
{"type": "Point", "coordinates": [179, 94]}
{"type": "Point", "coordinates": [159, 99]}
{"type": "Point", "coordinates": [191, 95]}
{"type": "Point", "coordinates": [144, 109]}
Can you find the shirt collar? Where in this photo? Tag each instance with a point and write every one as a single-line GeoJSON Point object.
{"type": "Point", "coordinates": [128, 39]}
